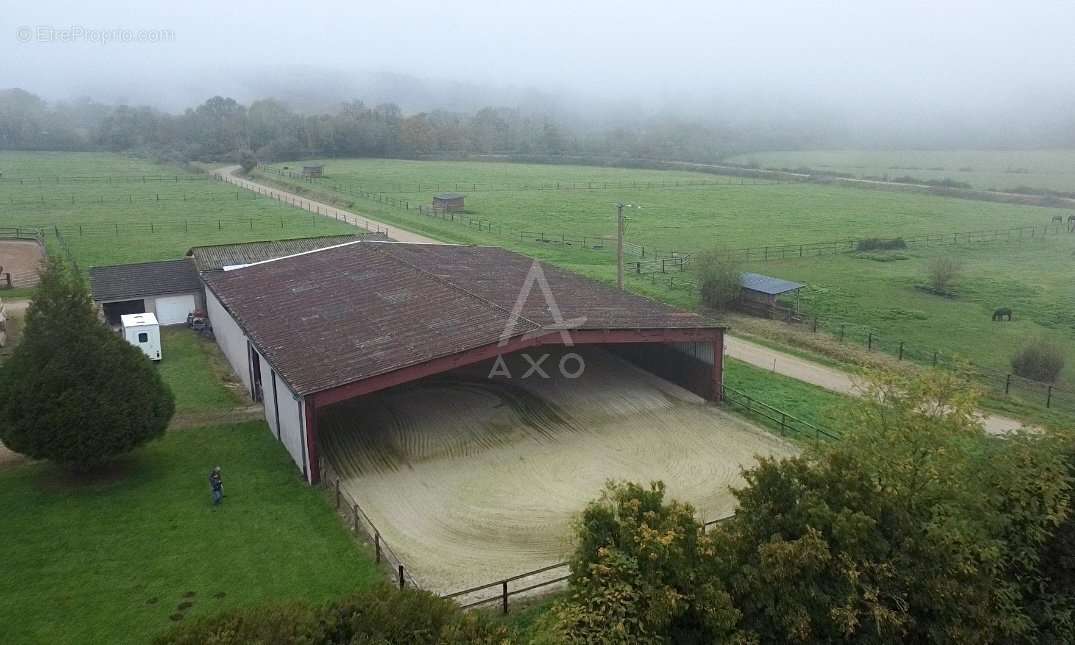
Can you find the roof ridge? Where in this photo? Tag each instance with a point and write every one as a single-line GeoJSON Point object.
{"type": "Point", "coordinates": [456, 287]}
{"type": "Point", "coordinates": [136, 264]}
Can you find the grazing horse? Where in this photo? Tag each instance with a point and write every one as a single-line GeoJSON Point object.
{"type": "Point", "coordinates": [1071, 223]}
{"type": "Point", "coordinates": [1001, 312]}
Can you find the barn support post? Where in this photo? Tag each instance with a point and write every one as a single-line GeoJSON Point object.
{"type": "Point", "coordinates": [717, 375]}
{"type": "Point", "coordinates": [311, 439]}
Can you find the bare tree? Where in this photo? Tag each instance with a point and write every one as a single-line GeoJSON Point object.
{"type": "Point", "coordinates": [944, 271]}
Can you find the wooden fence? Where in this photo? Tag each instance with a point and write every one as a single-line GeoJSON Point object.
{"type": "Point", "coordinates": [359, 521]}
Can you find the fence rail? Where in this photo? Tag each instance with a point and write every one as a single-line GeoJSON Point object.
{"type": "Point", "coordinates": [101, 179]}
{"type": "Point", "coordinates": [360, 521]}
{"type": "Point", "coordinates": [1047, 395]}
{"type": "Point", "coordinates": [786, 422]}
{"type": "Point", "coordinates": [475, 187]}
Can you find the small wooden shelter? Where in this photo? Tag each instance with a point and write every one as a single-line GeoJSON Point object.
{"type": "Point", "coordinates": [451, 202]}
{"type": "Point", "coordinates": [315, 171]}
{"type": "Point", "coordinates": [759, 295]}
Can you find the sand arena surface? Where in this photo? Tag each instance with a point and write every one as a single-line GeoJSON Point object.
{"type": "Point", "coordinates": [20, 258]}
{"type": "Point", "coordinates": [471, 480]}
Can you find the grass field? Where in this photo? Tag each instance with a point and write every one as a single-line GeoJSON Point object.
{"type": "Point", "coordinates": [127, 219]}
{"type": "Point", "coordinates": [684, 219]}
{"type": "Point", "coordinates": [983, 169]}
{"type": "Point", "coordinates": [187, 361]}
{"type": "Point", "coordinates": [117, 560]}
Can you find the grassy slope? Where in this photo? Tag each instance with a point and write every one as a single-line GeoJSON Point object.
{"type": "Point", "coordinates": [985, 169]}
{"type": "Point", "coordinates": [806, 402]}
{"type": "Point", "coordinates": [131, 225]}
{"type": "Point", "coordinates": [109, 562]}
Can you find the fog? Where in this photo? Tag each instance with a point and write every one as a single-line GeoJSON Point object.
{"type": "Point", "coordinates": [878, 71]}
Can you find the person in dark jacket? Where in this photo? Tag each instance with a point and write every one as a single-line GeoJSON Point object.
{"type": "Point", "coordinates": [216, 483]}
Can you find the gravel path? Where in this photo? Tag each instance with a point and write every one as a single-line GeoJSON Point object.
{"type": "Point", "coordinates": [395, 233]}
{"type": "Point", "coordinates": [827, 377]}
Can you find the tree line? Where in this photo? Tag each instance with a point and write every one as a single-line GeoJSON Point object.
{"type": "Point", "coordinates": [221, 129]}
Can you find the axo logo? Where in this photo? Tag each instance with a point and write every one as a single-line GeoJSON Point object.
{"type": "Point", "coordinates": [570, 364]}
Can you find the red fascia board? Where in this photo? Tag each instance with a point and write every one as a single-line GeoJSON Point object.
{"type": "Point", "coordinates": [485, 352]}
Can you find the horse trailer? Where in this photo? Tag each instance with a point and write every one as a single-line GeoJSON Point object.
{"type": "Point", "coordinates": [143, 331]}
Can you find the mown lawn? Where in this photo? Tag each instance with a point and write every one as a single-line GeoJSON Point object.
{"type": "Point", "coordinates": [116, 560]}
{"type": "Point", "coordinates": [187, 360]}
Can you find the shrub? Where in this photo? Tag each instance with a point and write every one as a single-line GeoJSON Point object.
{"type": "Point", "coordinates": [1041, 360]}
{"type": "Point", "coordinates": [247, 161]}
{"type": "Point", "coordinates": [73, 392]}
{"type": "Point", "coordinates": [382, 615]}
{"type": "Point", "coordinates": [943, 271]}
{"type": "Point", "coordinates": [880, 244]}
{"type": "Point", "coordinates": [718, 278]}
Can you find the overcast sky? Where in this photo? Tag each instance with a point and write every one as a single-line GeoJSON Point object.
{"type": "Point", "coordinates": [868, 54]}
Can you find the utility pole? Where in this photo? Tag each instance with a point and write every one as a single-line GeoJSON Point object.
{"type": "Point", "coordinates": [620, 225]}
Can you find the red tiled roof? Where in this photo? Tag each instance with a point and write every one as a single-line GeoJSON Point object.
{"type": "Point", "coordinates": [340, 315]}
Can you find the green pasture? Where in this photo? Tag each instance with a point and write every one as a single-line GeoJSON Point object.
{"type": "Point", "coordinates": [517, 198]}
{"type": "Point", "coordinates": [983, 169]}
{"type": "Point", "coordinates": [129, 219]}
{"type": "Point", "coordinates": [879, 291]}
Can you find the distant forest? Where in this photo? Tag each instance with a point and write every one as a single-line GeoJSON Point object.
{"type": "Point", "coordinates": [221, 129]}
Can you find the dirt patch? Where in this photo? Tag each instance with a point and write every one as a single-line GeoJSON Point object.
{"type": "Point", "coordinates": [20, 258]}
{"type": "Point", "coordinates": [470, 481]}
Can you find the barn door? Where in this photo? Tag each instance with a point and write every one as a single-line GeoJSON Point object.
{"type": "Point", "coordinates": [255, 374]}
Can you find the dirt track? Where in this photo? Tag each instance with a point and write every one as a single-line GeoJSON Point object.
{"type": "Point", "coordinates": [21, 258]}
{"type": "Point", "coordinates": [470, 481]}
{"type": "Point", "coordinates": [361, 221]}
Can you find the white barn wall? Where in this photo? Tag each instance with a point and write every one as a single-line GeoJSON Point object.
{"type": "Point", "coordinates": [231, 339]}
{"type": "Point", "coordinates": [292, 424]}
{"type": "Point", "coordinates": [233, 342]}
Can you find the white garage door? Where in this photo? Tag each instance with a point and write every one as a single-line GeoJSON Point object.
{"type": "Point", "coordinates": [173, 310]}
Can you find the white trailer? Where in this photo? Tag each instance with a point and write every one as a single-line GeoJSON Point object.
{"type": "Point", "coordinates": [143, 331]}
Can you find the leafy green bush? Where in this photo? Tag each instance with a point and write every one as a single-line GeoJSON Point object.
{"type": "Point", "coordinates": [1041, 360]}
{"type": "Point", "coordinates": [880, 244]}
{"type": "Point", "coordinates": [73, 392]}
{"type": "Point", "coordinates": [382, 615]}
{"type": "Point", "coordinates": [915, 527]}
{"type": "Point", "coordinates": [718, 277]}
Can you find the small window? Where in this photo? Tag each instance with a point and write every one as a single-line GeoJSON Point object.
{"type": "Point", "coordinates": [143, 337]}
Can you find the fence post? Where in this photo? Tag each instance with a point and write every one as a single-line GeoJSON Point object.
{"type": "Point", "coordinates": [901, 350]}
{"type": "Point", "coordinates": [1007, 383]}
{"type": "Point", "coordinates": [815, 324]}
{"type": "Point", "coordinates": [783, 422]}
{"type": "Point", "coordinates": [935, 358]}
{"type": "Point", "coordinates": [401, 579]}
{"type": "Point", "coordinates": [869, 341]}
{"type": "Point", "coordinates": [337, 494]}
{"type": "Point", "coordinates": [354, 510]}
{"type": "Point", "coordinates": [377, 545]}
{"type": "Point", "coordinates": [504, 596]}
{"type": "Point", "coordinates": [1049, 398]}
